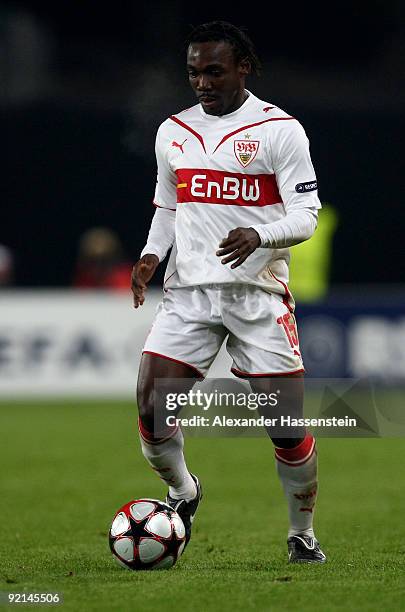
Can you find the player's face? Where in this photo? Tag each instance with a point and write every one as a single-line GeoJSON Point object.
{"type": "Point", "coordinates": [217, 79]}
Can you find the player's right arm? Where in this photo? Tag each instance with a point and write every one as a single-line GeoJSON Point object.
{"type": "Point", "coordinates": [162, 230]}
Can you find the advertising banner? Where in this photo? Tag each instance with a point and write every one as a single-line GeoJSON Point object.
{"type": "Point", "coordinates": [60, 343]}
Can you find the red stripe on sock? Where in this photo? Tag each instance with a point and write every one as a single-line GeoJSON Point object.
{"type": "Point", "coordinates": [149, 436]}
{"type": "Point", "coordinates": [298, 463]}
{"type": "Point", "coordinates": [299, 454]}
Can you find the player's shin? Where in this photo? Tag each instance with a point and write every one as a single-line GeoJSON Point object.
{"type": "Point", "coordinates": [297, 469]}
{"type": "Point", "coordinates": [165, 456]}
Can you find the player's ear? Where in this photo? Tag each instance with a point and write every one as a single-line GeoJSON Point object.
{"type": "Point", "coordinates": [244, 67]}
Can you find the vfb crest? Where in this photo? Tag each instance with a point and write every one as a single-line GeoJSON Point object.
{"type": "Point", "coordinates": [246, 151]}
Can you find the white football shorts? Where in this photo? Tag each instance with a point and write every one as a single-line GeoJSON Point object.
{"type": "Point", "coordinates": [191, 324]}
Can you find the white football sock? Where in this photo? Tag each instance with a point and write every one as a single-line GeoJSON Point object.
{"type": "Point", "coordinates": [165, 456]}
{"type": "Point", "coordinates": [297, 469]}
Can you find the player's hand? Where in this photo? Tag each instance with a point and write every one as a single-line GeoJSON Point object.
{"type": "Point", "coordinates": [240, 243]}
{"type": "Point", "coordinates": [142, 272]}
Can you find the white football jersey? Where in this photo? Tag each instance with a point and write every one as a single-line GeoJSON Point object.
{"type": "Point", "coordinates": [249, 167]}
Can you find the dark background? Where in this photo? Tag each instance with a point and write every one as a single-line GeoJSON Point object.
{"type": "Point", "coordinates": [85, 86]}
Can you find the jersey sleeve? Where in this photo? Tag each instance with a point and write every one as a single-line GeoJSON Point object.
{"type": "Point", "coordinates": [162, 233]}
{"type": "Point", "coordinates": [293, 168]}
{"type": "Point", "coordinates": [166, 182]}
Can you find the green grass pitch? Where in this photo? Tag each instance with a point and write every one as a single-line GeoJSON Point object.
{"type": "Point", "coordinates": [67, 466]}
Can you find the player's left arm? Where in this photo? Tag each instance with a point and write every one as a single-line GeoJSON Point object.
{"type": "Point", "coordinates": [297, 185]}
{"type": "Point", "coordinates": [239, 244]}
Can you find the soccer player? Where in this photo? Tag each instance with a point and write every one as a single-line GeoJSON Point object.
{"type": "Point", "coordinates": [236, 188]}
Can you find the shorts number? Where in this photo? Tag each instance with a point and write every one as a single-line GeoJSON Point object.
{"type": "Point", "coordinates": [288, 322]}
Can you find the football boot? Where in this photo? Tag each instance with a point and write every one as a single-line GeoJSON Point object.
{"type": "Point", "coordinates": [186, 509]}
{"type": "Point", "coordinates": [304, 549]}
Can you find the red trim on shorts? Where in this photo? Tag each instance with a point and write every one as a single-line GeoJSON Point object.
{"type": "Point", "coordinates": [299, 454]}
{"type": "Point", "coordinates": [241, 374]}
{"type": "Point", "coordinates": [149, 437]}
{"type": "Point", "coordinates": [287, 293]}
{"type": "Point", "coordinates": [246, 127]}
{"type": "Point", "coordinates": [167, 279]}
{"type": "Point", "coordinates": [190, 129]}
{"type": "Point", "coordinates": [175, 361]}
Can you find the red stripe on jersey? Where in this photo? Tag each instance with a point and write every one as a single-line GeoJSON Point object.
{"type": "Point", "coordinates": [205, 186]}
{"type": "Point", "coordinates": [189, 129]}
{"type": "Point", "coordinates": [156, 205]}
{"type": "Point", "coordinates": [246, 127]}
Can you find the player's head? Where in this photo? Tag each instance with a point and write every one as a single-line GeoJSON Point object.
{"type": "Point", "coordinates": [219, 57]}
